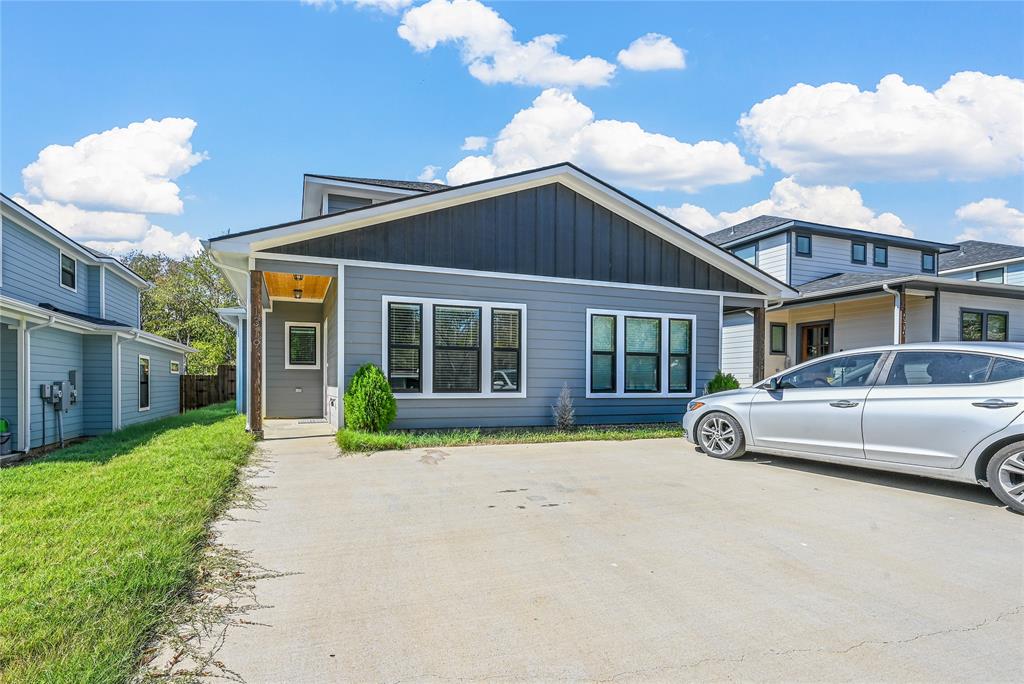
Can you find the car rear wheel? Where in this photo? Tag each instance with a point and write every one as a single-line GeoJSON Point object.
{"type": "Point", "coordinates": [1006, 476]}
{"type": "Point", "coordinates": [720, 436]}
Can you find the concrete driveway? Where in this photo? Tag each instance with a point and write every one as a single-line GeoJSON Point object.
{"type": "Point", "coordinates": [621, 562]}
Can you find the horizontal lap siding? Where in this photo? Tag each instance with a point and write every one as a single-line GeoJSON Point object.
{"type": "Point", "coordinates": [164, 386]}
{"type": "Point", "coordinates": [952, 302]}
{"type": "Point", "coordinates": [53, 354]}
{"type": "Point", "coordinates": [547, 231]}
{"type": "Point", "coordinates": [555, 344]}
{"type": "Point", "coordinates": [831, 255]}
{"type": "Point", "coordinates": [97, 380]}
{"type": "Point", "coordinates": [738, 347]}
{"type": "Point", "coordinates": [9, 380]}
{"type": "Point", "coordinates": [773, 256]}
{"type": "Point", "coordinates": [31, 271]}
{"type": "Point", "coordinates": [1015, 274]}
{"type": "Point", "coordinates": [122, 300]}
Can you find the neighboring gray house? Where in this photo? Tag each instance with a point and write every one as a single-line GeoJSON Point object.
{"type": "Point", "coordinates": [71, 314]}
{"type": "Point", "coordinates": [858, 288]}
{"type": "Point", "coordinates": [480, 301]}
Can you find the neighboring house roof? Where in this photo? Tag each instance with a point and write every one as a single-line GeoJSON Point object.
{"type": "Point", "coordinates": [97, 255]}
{"type": "Point", "coordinates": [844, 280]}
{"type": "Point", "coordinates": [384, 182]}
{"type": "Point", "coordinates": [569, 174]}
{"type": "Point", "coordinates": [85, 317]}
{"type": "Point", "coordinates": [841, 285]}
{"type": "Point", "coordinates": [979, 253]}
{"type": "Point", "coordinates": [764, 226]}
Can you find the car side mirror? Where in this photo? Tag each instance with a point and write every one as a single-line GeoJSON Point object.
{"type": "Point", "coordinates": [774, 385]}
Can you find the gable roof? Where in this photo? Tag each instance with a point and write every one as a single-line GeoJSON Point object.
{"type": "Point", "coordinates": [63, 240]}
{"type": "Point", "coordinates": [763, 226]}
{"type": "Point", "coordinates": [384, 182]}
{"type": "Point", "coordinates": [568, 174]}
{"type": "Point", "coordinates": [840, 285]}
{"type": "Point", "coordinates": [979, 252]}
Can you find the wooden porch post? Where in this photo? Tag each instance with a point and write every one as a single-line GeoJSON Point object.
{"type": "Point", "coordinates": [902, 334]}
{"type": "Point", "coordinates": [759, 344]}
{"type": "Point", "coordinates": [256, 355]}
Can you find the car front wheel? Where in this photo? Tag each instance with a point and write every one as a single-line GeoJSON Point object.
{"type": "Point", "coordinates": [1006, 476]}
{"type": "Point", "coordinates": [721, 436]}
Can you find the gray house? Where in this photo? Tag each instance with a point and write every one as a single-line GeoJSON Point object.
{"type": "Point", "coordinates": [71, 315]}
{"type": "Point", "coordinates": [479, 301]}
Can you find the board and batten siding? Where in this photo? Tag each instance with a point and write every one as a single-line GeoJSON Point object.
{"type": "Point", "coordinates": [31, 271]}
{"type": "Point", "coordinates": [97, 380]}
{"type": "Point", "coordinates": [546, 231]}
{"type": "Point", "coordinates": [832, 255]}
{"type": "Point", "coordinates": [54, 353]}
{"type": "Point", "coordinates": [738, 346]}
{"type": "Point", "coordinates": [164, 386]}
{"type": "Point", "coordinates": [555, 344]}
{"type": "Point", "coordinates": [951, 303]}
{"type": "Point", "coordinates": [9, 378]}
{"type": "Point", "coordinates": [122, 303]}
{"type": "Point", "coordinates": [291, 392]}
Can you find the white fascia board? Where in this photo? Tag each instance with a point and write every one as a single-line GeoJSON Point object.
{"type": "Point", "coordinates": [985, 266]}
{"type": "Point", "coordinates": [580, 182]}
{"type": "Point", "coordinates": [1011, 291]}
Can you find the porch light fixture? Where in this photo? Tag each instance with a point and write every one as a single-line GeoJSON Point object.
{"type": "Point", "coordinates": [298, 276]}
{"type": "Point", "coordinates": [298, 293]}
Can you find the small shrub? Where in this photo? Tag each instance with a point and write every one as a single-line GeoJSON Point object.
{"type": "Point", "coordinates": [563, 411]}
{"type": "Point", "coordinates": [722, 382]}
{"type": "Point", "coordinates": [369, 402]}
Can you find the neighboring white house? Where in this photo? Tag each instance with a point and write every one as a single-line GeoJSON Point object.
{"type": "Point", "coordinates": [859, 288]}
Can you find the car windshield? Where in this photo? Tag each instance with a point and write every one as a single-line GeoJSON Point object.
{"type": "Point", "coordinates": [841, 371]}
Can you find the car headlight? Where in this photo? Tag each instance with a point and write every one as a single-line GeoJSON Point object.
{"type": "Point", "coordinates": [694, 405]}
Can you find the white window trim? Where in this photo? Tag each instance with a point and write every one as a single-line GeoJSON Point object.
{"type": "Point", "coordinates": [150, 383]}
{"type": "Point", "coordinates": [171, 366]}
{"type": "Point", "coordinates": [620, 354]}
{"type": "Point", "coordinates": [427, 341]}
{"type": "Point", "coordinates": [60, 270]}
{"type": "Point", "coordinates": [287, 342]}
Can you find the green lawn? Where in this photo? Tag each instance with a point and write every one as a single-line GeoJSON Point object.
{"type": "Point", "coordinates": [99, 539]}
{"type": "Point", "coordinates": [353, 441]}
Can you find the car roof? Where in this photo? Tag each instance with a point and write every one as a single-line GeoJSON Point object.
{"type": "Point", "coordinates": [1002, 348]}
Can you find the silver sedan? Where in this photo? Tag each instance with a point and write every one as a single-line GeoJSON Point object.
{"type": "Point", "coordinates": [953, 411]}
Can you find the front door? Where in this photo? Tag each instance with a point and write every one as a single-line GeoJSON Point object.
{"type": "Point", "coordinates": [815, 340]}
{"type": "Point", "coordinates": [818, 407]}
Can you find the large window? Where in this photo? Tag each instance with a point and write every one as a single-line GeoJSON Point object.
{"type": "Point", "coordinates": [405, 346]}
{"type": "Point", "coordinates": [838, 371]}
{"type": "Point", "coordinates": [506, 345]}
{"type": "Point", "coordinates": [68, 272]}
{"type": "Point", "coordinates": [446, 348]}
{"type": "Point", "coordinates": [634, 354]}
{"type": "Point", "coordinates": [143, 383]}
{"type": "Point", "coordinates": [992, 275]}
{"type": "Point", "coordinates": [984, 326]}
{"type": "Point", "coordinates": [302, 346]}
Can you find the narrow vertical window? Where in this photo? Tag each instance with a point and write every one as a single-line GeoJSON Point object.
{"type": "Point", "coordinates": [602, 353]}
{"type": "Point", "coordinates": [927, 262]}
{"type": "Point", "coordinates": [506, 343]}
{"type": "Point", "coordinates": [643, 354]}
{"type": "Point", "coordinates": [143, 383]}
{"type": "Point", "coordinates": [680, 363]}
{"type": "Point", "coordinates": [803, 245]}
{"type": "Point", "coordinates": [68, 272]}
{"type": "Point", "coordinates": [971, 326]}
{"type": "Point", "coordinates": [778, 338]}
{"type": "Point", "coordinates": [405, 347]}
{"type": "Point", "coordinates": [456, 348]}
{"type": "Point", "coordinates": [995, 327]}
{"type": "Point", "coordinates": [859, 252]}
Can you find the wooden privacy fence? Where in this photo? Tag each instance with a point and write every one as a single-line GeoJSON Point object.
{"type": "Point", "coordinates": [198, 391]}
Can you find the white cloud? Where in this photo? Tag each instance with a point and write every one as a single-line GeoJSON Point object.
{"type": "Point", "coordinates": [993, 220]}
{"type": "Point", "coordinates": [972, 127]}
{"type": "Point", "coordinates": [488, 47]}
{"type": "Point", "coordinates": [386, 6]}
{"type": "Point", "coordinates": [473, 143]}
{"type": "Point", "coordinates": [828, 204]}
{"type": "Point", "coordinates": [156, 240]}
{"type": "Point", "coordinates": [81, 224]}
{"type": "Point", "coordinates": [128, 169]}
{"type": "Point", "coordinates": [557, 127]}
{"type": "Point", "coordinates": [652, 52]}
{"type": "Point", "coordinates": [429, 174]}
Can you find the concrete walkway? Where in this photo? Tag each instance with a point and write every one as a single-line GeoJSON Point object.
{"type": "Point", "coordinates": [620, 562]}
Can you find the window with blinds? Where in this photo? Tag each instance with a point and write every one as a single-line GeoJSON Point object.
{"type": "Point", "coordinates": [506, 343]}
{"type": "Point", "coordinates": [303, 345]}
{"type": "Point", "coordinates": [405, 347]}
{"type": "Point", "coordinates": [456, 348]}
{"type": "Point", "coordinates": [602, 353]}
{"type": "Point", "coordinates": [679, 336]}
{"type": "Point", "coordinates": [634, 354]}
{"type": "Point", "coordinates": [643, 351]}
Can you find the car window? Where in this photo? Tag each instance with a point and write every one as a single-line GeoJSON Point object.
{"type": "Point", "coordinates": [1006, 369]}
{"type": "Point", "coordinates": [840, 371]}
{"type": "Point", "coordinates": [938, 368]}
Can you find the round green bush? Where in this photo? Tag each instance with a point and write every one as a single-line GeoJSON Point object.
{"type": "Point", "coordinates": [369, 403]}
{"type": "Point", "coordinates": [722, 382]}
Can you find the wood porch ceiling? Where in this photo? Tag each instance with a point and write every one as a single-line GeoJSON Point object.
{"type": "Point", "coordinates": [313, 287]}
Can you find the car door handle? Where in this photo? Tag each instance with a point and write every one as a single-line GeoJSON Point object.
{"type": "Point", "coordinates": [845, 403]}
{"type": "Point", "coordinates": [994, 404]}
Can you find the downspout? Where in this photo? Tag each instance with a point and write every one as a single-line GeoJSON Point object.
{"type": "Point", "coordinates": [27, 444]}
{"type": "Point", "coordinates": [897, 305]}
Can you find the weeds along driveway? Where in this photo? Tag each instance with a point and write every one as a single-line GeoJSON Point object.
{"type": "Point", "coordinates": [621, 561]}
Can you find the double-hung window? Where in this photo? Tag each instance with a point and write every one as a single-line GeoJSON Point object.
{"type": "Point", "coordinates": [68, 272]}
{"type": "Point", "coordinates": [636, 354]}
{"type": "Point", "coordinates": [446, 348]}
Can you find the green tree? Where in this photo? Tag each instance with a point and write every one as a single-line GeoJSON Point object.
{"type": "Point", "coordinates": [180, 306]}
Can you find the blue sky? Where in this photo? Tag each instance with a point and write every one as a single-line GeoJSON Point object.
{"type": "Point", "coordinates": [277, 89]}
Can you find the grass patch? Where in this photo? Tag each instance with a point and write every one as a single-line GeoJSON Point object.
{"type": "Point", "coordinates": [353, 441]}
{"type": "Point", "coordinates": [99, 540]}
